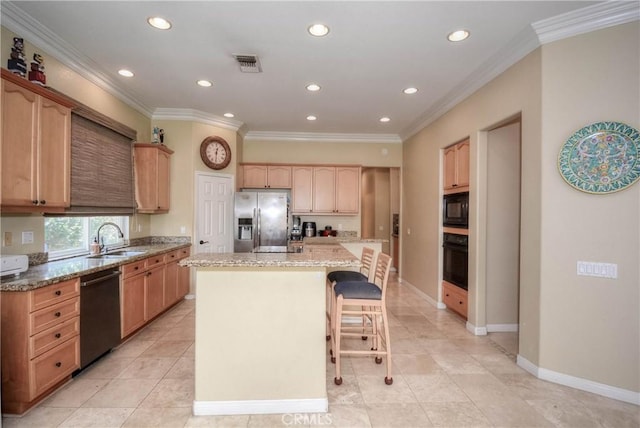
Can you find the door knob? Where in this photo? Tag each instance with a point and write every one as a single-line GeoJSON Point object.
{"type": "Point", "coordinates": [203, 242]}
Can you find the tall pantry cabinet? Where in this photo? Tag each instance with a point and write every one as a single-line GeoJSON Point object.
{"type": "Point", "coordinates": [152, 163]}
{"type": "Point", "coordinates": [35, 147]}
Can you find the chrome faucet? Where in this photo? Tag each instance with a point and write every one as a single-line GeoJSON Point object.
{"type": "Point", "coordinates": [108, 223]}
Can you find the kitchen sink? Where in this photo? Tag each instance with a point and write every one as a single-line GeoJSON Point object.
{"type": "Point", "coordinates": [117, 254]}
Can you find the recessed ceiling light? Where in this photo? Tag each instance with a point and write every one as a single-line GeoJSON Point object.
{"type": "Point", "coordinates": [384, 119]}
{"type": "Point", "coordinates": [318, 30]}
{"type": "Point", "coordinates": [204, 83]}
{"type": "Point", "coordinates": [159, 23]}
{"type": "Point", "coordinates": [313, 87]}
{"type": "Point", "coordinates": [311, 117]}
{"type": "Point", "coordinates": [125, 73]}
{"type": "Point", "coordinates": [229, 115]}
{"type": "Point", "coordinates": [458, 36]}
{"type": "Point", "coordinates": [410, 91]}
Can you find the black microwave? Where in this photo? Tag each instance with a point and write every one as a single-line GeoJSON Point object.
{"type": "Point", "coordinates": [455, 210]}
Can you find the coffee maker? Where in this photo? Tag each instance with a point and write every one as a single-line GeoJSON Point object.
{"type": "Point", "coordinates": [296, 228]}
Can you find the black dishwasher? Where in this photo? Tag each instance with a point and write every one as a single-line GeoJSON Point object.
{"type": "Point", "coordinates": [99, 314]}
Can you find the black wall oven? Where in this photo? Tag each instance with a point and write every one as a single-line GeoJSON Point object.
{"type": "Point", "coordinates": [455, 259]}
{"type": "Point", "coordinates": [455, 210]}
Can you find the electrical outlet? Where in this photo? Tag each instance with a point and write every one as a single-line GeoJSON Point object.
{"type": "Point", "coordinates": [183, 230]}
{"type": "Point", "coordinates": [601, 270]}
{"type": "Point", "coordinates": [7, 241]}
{"type": "Point", "coordinates": [27, 237]}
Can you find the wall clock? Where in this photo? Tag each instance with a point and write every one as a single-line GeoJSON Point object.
{"type": "Point", "coordinates": [603, 157]}
{"type": "Point", "coordinates": [215, 152]}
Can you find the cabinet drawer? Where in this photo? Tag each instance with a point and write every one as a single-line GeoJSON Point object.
{"type": "Point", "coordinates": [54, 315]}
{"type": "Point", "coordinates": [455, 298]}
{"type": "Point", "coordinates": [46, 296]}
{"type": "Point", "coordinates": [54, 365]}
{"type": "Point", "coordinates": [155, 261]}
{"type": "Point", "coordinates": [172, 256]}
{"type": "Point", "coordinates": [134, 268]}
{"type": "Point", "coordinates": [52, 337]}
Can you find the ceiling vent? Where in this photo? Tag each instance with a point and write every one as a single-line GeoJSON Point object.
{"type": "Point", "coordinates": [248, 63]}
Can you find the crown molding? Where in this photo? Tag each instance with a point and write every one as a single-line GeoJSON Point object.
{"type": "Point", "coordinates": [590, 18]}
{"type": "Point", "coordinates": [196, 116]}
{"type": "Point", "coordinates": [323, 137]}
{"type": "Point", "coordinates": [517, 48]}
{"type": "Point", "coordinates": [14, 19]}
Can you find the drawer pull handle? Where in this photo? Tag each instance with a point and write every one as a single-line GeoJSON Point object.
{"type": "Point", "coordinates": [460, 302]}
{"type": "Point", "coordinates": [447, 294]}
{"type": "Point", "coordinates": [43, 202]}
{"type": "Point", "coordinates": [58, 335]}
{"type": "Point", "coordinates": [58, 364]}
{"type": "Point", "coordinates": [57, 314]}
{"type": "Point", "coordinates": [58, 292]}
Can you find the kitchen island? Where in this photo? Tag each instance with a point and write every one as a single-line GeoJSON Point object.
{"type": "Point", "coordinates": [260, 330]}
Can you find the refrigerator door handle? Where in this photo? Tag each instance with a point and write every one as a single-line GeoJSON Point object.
{"type": "Point", "coordinates": [259, 226]}
{"type": "Point", "coordinates": [254, 229]}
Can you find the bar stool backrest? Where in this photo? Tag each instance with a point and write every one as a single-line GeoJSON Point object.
{"type": "Point", "coordinates": [367, 261]}
{"type": "Point", "coordinates": [381, 273]}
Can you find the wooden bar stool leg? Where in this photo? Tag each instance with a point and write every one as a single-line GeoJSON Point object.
{"type": "Point", "coordinates": [332, 326]}
{"type": "Point", "coordinates": [388, 379]}
{"type": "Point", "coordinates": [337, 336]}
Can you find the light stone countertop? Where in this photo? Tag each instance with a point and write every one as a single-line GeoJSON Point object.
{"type": "Point", "coordinates": [340, 240]}
{"type": "Point", "coordinates": [63, 270]}
{"type": "Point", "coordinates": [311, 256]}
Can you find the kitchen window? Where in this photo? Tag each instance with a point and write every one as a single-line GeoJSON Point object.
{"type": "Point", "coordinates": [72, 236]}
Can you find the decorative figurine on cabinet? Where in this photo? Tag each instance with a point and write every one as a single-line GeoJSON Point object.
{"type": "Point", "coordinates": [156, 135]}
{"type": "Point", "coordinates": [161, 135]}
{"type": "Point", "coordinates": [36, 75]}
{"type": "Point", "coordinates": [16, 64]}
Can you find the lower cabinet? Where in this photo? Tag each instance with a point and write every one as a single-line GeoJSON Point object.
{"type": "Point", "coordinates": [40, 342]}
{"type": "Point", "coordinates": [455, 298]}
{"type": "Point", "coordinates": [150, 286]}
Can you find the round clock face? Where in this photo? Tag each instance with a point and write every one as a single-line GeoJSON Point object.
{"type": "Point", "coordinates": [215, 152]}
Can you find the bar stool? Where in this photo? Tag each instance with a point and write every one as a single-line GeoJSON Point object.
{"type": "Point", "coordinates": [348, 275]}
{"type": "Point", "coordinates": [370, 298]}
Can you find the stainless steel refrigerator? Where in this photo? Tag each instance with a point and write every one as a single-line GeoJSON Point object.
{"type": "Point", "coordinates": [261, 220]}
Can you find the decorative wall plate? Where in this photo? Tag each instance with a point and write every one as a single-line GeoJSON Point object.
{"type": "Point", "coordinates": [603, 157]}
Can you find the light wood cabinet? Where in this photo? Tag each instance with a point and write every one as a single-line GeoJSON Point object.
{"type": "Point", "coordinates": [266, 176]}
{"type": "Point", "coordinates": [132, 296]}
{"type": "Point", "coordinates": [326, 190]}
{"type": "Point", "coordinates": [35, 148]}
{"type": "Point", "coordinates": [177, 278]}
{"type": "Point", "coordinates": [152, 175]}
{"type": "Point", "coordinates": [40, 342]}
{"type": "Point", "coordinates": [302, 190]}
{"type": "Point", "coordinates": [456, 168]}
{"type": "Point", "coordinates": [455, 298]}
{"type": "Point", "coordinates": [150, 286]}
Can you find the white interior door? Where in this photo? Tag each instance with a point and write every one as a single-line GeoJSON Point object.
{"type": "Point", "coordinates": [214, 213]}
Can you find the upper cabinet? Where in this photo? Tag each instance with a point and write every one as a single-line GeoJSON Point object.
{"type": "Point", "coordinates": [151, 166]}
{"type": "Point", "coordinates": [326, 190]}
{"type": "Point", "coordinates": [35, 147]}
{"type": "Point", "coordinates": [456, 168]}
{"type": "Point", "coordinates": [266, 176]}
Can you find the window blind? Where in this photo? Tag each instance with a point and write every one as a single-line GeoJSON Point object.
{"type": "Point", "coordinates": [101, 170]}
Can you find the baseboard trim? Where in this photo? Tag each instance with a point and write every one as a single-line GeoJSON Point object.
{"type": "Point", "coordinates": [428, 298]}
{"type": "Point", "coordinates": [253, 407]}
{"type": "Point", "coordinates": [495, 328]}
{"type": "Point", "coordinates": [190, 297]}
{"type": "Point", "coordinates": [579, 383]}
{"type": "Point", "coordinates": [478, 331]}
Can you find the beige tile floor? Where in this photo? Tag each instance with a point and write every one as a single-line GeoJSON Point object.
{"type": "Point", "coordinates": [443, 377]}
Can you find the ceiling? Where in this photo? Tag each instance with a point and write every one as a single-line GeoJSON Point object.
{"type": "Point", "coordinates": [373, 51]}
